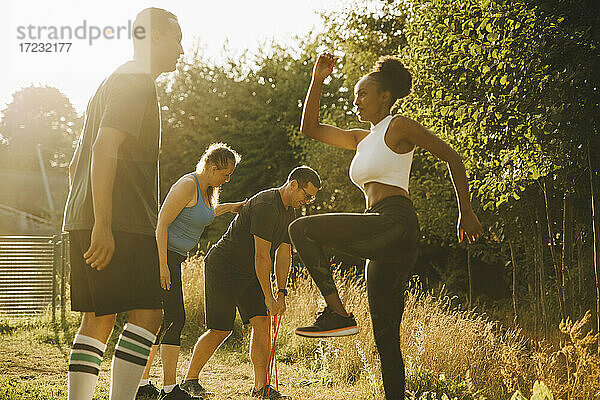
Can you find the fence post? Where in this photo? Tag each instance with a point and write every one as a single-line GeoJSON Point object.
{"type": "Point", "coordinates": [54, 271]}
{"type": "Point", "coordinates": [63, 257]}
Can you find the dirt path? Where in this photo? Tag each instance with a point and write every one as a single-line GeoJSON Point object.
{"type": "Point", "coordinates": [21, 357]}
{"type": "Point", "coordinates": [26, 363]}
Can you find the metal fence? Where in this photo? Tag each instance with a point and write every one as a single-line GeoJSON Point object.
{"type": "Point", "coordinates": [33, 272]}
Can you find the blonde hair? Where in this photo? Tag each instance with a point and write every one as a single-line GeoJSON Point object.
{"type": "Point", "coordinates": [221, 156]}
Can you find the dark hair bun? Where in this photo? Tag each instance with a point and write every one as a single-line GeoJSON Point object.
{"type": "Point", "coordinates": [395, 76]}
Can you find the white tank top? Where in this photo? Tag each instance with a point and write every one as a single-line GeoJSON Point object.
{"type": "Point", "coordinates": [374, 161]}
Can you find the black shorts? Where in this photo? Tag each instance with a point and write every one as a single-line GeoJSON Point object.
{"type": "Point", "coordinates": [131, 281]}
{"type": "Point", "coordinates": [224, 293]}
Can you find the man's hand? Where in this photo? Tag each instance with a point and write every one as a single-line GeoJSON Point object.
{"type": "Point", "coordinates": [271, 304]}
{"type": "Point", "coordinates": [102, 247]}
{"type": "Point", "coordinates": [275, 307]}
{"type": "Point", "coordinates": [281, 303]}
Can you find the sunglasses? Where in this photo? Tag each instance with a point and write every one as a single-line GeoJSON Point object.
{"type": "Point", "coordinates": [308, 198]}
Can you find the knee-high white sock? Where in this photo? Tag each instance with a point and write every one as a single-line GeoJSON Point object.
{"type": "Point", "coordinates": [131, 355]}
{"type": "Point", "coordinates": [84, 366]}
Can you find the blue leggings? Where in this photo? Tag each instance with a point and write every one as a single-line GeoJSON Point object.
{"type": "Point", "coordinates": [387, 235]}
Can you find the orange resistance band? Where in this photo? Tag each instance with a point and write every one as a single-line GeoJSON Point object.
{"type": "Point", "coordinates": [272, 357]}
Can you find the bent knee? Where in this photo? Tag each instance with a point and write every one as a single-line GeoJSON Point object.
{"type": "Point", "coordinates": [148, 319]}
{"type": "Point", "coordinates": [97, 327]}
{"type": "Point", "coordinates": [175, 320]}
{"type": "Point", "coordinates": [173, 326]}
{"type": "Point", "coordinates": [261, 323]}
{"type": "Point", "coordinates": [222, 335]}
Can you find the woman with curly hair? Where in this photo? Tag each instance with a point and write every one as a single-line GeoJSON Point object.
{"type": "Point", "coordinates": [387, 234]}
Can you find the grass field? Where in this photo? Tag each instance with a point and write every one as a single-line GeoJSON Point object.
{"type": "Point", "coordinates": [33, 365]}
{"type": "Point", "coordinates": [449, 353]}
{"type": "Point", "coordinates": [34, 370]}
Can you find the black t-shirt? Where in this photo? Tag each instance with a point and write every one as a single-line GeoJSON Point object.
{"type": "Point", "coordinates": [126, 101]}
{"type": "Point", "coordinates": [265, 216]}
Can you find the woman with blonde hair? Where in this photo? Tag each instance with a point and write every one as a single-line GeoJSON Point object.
{"type": "Point", "coordinates": [190, 206]}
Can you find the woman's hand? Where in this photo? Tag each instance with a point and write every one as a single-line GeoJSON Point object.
{"type": "Point", "coordinates": [469, 225]}
{"type": "Point", "coordinates": [165, 277]}
{"type": "Point", "coordinates": [235, 207]}
{"type": "Point", "coordinates": [324, 66]}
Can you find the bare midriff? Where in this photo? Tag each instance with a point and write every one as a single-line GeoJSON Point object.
{"type": "Point", "coordinates": [376, 192]}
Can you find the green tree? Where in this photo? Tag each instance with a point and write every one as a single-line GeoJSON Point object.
{"type": "Point", "coordinates": [38, 116]}
{"type": "Point", "coordinates": [254, 111]}
{"type": "Point", "coordinates": [513, 86]}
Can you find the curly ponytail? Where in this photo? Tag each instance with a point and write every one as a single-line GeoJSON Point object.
{"type": "Point", "coordinates": [392, 75]}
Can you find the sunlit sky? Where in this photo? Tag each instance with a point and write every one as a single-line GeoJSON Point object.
{"type": "Point", "coordinates": [237, 24]}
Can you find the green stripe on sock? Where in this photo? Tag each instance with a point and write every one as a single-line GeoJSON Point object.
{"type": "Point", "coordinates": [134, 347]}
{"type": "Point", "coordinates": [85, 357]}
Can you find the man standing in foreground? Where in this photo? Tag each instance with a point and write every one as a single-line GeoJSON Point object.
{"type": "Point", "coordinates": [238, 275]}
{"type": "Point", "coordinates": [111, 213]}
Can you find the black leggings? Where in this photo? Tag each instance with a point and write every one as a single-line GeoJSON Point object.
{"type": "Point", "coordinates": [387, 235]}
{"type": "Point", "coordinates": [174, 311]}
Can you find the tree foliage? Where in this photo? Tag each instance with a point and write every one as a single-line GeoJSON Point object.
{"type": "Point", "coordinates": [38, 116]}
{"type": "Point", "coordinates": [513, 87]}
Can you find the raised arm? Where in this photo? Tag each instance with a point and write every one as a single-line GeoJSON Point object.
{"type": "Point", "coordinates": [181, 193]}
{"type": "Point", "coordinates": [403, 128]}
{"type": "Point", "coordinates": [104, 166]}
{"type": "Point", "coordinates": [311, 127]}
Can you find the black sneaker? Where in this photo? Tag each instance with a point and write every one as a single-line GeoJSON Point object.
{"type": "Point", "coordinates": [194, 388]}
{"type": "Point", "coordinates": [177, 394]}
{"type": "Point", "coordinates": [147, 392]}
{"type": "Point", "coordinates": [329, 324]}
{"type": "Point", "coordinates": [268, 392]}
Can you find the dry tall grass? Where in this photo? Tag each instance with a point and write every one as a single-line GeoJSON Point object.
{"type": "Point", "coordinates": [467, 351]}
